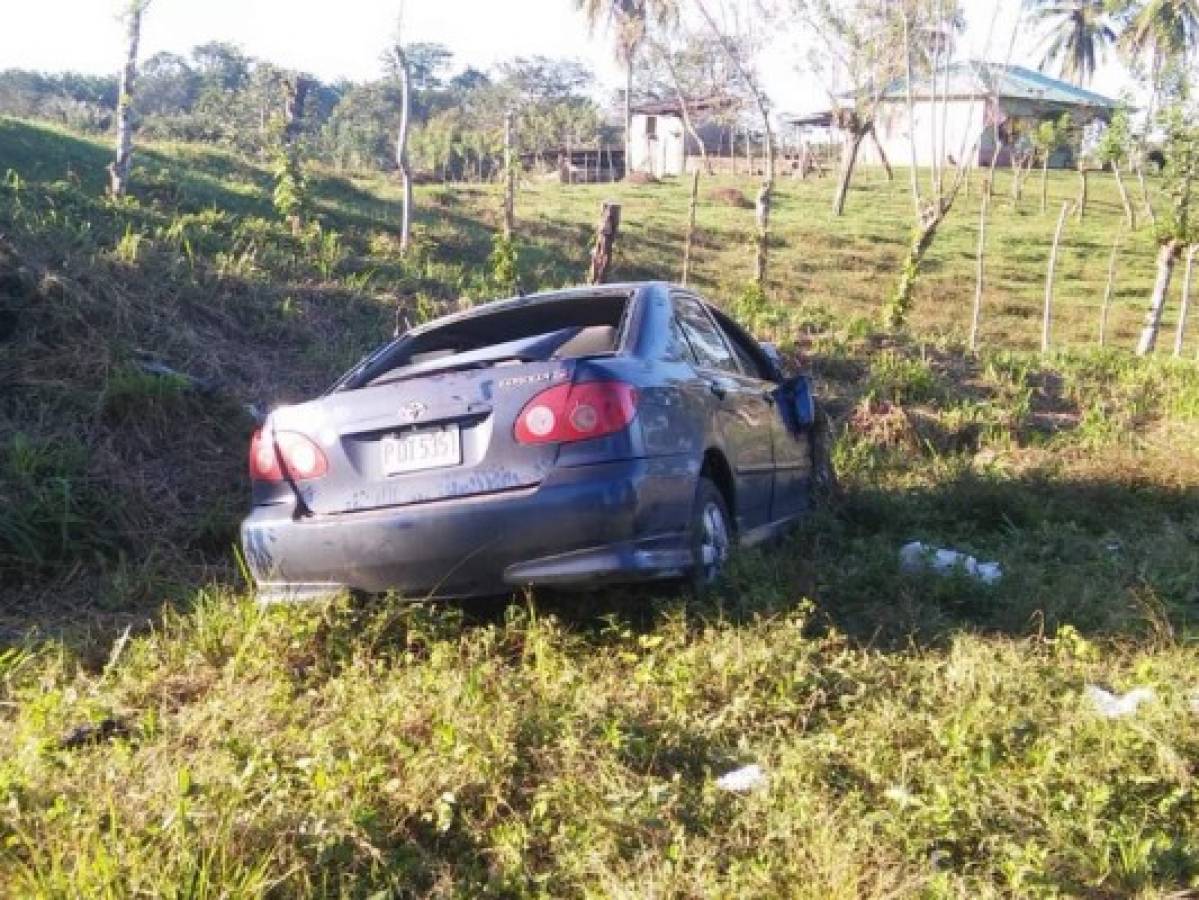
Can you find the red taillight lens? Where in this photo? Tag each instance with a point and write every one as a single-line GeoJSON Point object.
{"type": "Point", "coordinates": [303, 459]}
{"type": "Point", "coordinates": [264, 463]}
{"type": "Point", "coordinates": [576, 412]}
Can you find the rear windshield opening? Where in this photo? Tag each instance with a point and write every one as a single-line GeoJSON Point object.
{"type": "Point", "coordinates": [553, 329]}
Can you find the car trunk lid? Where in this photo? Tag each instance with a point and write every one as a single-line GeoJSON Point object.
{"type": "Point", "coordinates": [434, 436]}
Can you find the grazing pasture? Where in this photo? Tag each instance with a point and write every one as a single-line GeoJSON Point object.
{"type": "Point", "coordinates": [162, 735]}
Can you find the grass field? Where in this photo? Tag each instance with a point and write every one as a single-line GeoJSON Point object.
{"type": "Point", "coordinates": [922, 736]}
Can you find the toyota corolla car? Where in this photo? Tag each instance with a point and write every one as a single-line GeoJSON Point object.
{"type": "Point", "coordinates": [602, 434]}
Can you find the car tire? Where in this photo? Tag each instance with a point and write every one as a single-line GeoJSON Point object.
{"type": "Point", "coordinates": [711, 535]}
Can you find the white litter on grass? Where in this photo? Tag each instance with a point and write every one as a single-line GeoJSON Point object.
{"type": "Point", "coordinates": [918, 557]}
{"type": "Point", "coordinates": [1194, 701]}
{"type": "Point", "coordinates": [743, 780]}
{"type": "Point", "coordinates": [1117, 706]}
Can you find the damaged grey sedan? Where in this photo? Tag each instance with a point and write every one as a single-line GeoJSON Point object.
{"type": "Point", "coordinates": [597, 435]}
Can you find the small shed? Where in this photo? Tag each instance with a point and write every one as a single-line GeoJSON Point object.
{"type": "Point", "coordinates": [979, 98]}
{"type": "Point", "coordinates": [659, 140]}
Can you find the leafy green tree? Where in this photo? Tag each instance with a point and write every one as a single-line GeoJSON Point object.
{"type": "Point", "coordinates": [221, 66]}
{"type": "Point", "coordinates": [169, 86]}
{"type": "Point", "coordinates": [1114, 149]}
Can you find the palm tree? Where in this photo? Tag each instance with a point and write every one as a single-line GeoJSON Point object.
{"type": "Point", "coordinates": [1078, 34]}
{"type": "Point", "coordinates": [630, 20]}
{"type": "Point", "coordinates": [1163, 30]}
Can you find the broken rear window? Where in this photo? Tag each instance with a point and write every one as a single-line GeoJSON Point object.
{"type": "Point", "coordinates": [531, 332]}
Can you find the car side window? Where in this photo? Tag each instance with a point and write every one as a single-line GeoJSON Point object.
{"type": "Point", "coordinates": [705, 338]}
{"type": "Point", "coordinates": [677, 345]}
{"type": "Point", "coordinates": [745, 355]}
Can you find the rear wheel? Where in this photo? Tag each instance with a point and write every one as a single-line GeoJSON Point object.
{"type": "Point", "coordinates": [711, 534]}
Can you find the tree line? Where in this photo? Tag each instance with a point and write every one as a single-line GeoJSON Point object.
{"type": "Point", "coordinates": [218, 94]}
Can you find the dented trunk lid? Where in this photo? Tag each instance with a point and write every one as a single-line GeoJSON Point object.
{"type": "Point", "coordinates": [370, 433]}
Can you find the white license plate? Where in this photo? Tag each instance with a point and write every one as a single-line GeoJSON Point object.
{"type": "Point", "coordinates": [433, 448]}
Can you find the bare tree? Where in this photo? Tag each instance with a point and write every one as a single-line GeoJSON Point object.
{"type": "Point", "coordinates": [861, 43]}
{"type": "Point", "coordinates": [1180, 227]}
{"type": "Point", "coordinates": [118, 169]}
{"type": "Point", "coordinates": [666, 55]}
{"type": "Point", "coordinates": [735, 51]}
{"type": "Point", "coordinates": [930, 213]}
{"type": "Point", "coordinates": [1167, 256]}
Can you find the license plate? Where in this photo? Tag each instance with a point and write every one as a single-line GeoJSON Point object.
{"type": "Point", "coordinates": [433, 448]}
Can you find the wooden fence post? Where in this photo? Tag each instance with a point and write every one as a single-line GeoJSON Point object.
{"type": "Point", "coordinates": [1180, 334]}
{"type": "Point", "coordinates": [979, 285]}
{"type": "Point", "coordinates": [605, 239]}
{"type": "Point", "coordinates": [509, 179]}
{"type": "Point", "coordinates": [1047, 320]}
{"type": "Point", "coordinates": [1110, 290]}
{"type": "Point", "coordinates": [690, 226]}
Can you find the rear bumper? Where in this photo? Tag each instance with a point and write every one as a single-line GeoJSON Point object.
{"type": "Point", "coordinates": [622, 521]}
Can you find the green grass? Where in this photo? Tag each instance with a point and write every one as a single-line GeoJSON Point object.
{"type": "Point", "coordinates": [923, 736]}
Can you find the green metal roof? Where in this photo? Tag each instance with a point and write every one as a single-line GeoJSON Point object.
{"type": "Point", "coordinates": [983, 79]}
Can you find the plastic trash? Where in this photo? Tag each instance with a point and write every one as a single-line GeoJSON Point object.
{"type": "Point", "coordinates": [1194, 701]}
{"type": "Point", "coordinates": [743, 780]}
{"type": "Point", "coordinates": [1117, 706]}
{"type": "Point", "coordinates": [918, 557]}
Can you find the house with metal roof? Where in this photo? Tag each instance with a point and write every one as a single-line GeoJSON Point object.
{"type": "Point", "coordinates": [660, 143]}
{"type": "Point", "coordinates": [988, 110]}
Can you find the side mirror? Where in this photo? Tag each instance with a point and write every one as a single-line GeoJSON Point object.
{"type": "Point", "coordinates": [797, 403]}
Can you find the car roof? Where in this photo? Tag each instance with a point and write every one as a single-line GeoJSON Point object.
{"type": "Point", "coordinates": [564, 295]}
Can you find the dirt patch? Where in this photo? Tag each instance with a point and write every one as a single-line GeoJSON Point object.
{"type": "Point", "coordinates": [730, 196]}
{"type": "Point", "coordinates": [640, 178]}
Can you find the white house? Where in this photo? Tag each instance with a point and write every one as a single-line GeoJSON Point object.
{"type": "Point", "coordinates": [658, 138]}
{"type": "Point", "coordinates": [961, 111]}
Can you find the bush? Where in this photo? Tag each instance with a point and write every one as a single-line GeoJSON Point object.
{"type": "Point", "coordinates": [504, 265]}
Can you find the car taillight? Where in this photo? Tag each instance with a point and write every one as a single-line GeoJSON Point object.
{"type": "Point", "coordinates": [576, 412]}
{"type": "Point", "coordinates": [303, 459]}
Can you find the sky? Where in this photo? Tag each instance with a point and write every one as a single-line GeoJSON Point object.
{"type": "Point", "coordinates": [345, 38]}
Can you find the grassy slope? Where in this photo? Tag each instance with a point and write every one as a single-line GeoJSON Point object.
{"type": "Point", "coordinates": [922, 735]}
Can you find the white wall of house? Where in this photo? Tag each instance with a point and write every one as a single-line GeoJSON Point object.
{"type": "Point", "coordinates": [964, 122]}
{"type": "Point", "coordinates": [658, 145]}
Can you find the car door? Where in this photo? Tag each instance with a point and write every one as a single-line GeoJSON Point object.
{"type": "Point", "coordinates": [744, 414]}
{"type": "Point", "coordinates": [792, 451]}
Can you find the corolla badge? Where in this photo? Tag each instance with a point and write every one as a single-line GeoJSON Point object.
{"type": "Point", "coordinates": [415, 410]}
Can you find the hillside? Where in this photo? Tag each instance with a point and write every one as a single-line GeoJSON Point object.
{"type": "Point", "coordinates": [921, 735]}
